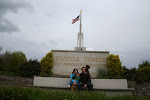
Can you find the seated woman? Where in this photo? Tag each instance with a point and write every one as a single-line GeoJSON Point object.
{"type": "Point", "coordinates": [74, 79]}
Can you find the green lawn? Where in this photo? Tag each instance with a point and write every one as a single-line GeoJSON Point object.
{"type": "Point", "coordinates": [24, 93]}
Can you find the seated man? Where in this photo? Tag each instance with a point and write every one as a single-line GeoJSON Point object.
{"type": "Point", "coordinates": [85, 80]}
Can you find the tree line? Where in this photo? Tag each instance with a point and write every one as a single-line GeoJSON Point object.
{"type": "Point", "coordinates": [17, 63]}
{"type": "Point", "coordinates": [115, 70]}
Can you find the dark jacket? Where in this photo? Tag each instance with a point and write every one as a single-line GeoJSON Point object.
{"type": "Point", "coordinates": [87, 71]}
{"type": "Point", "coordinates": [85, 78]}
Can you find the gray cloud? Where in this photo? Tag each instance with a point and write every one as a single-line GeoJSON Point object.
{"type": "Point", "coordinates": [121, 27]}
{"type": "Point", "coordinates": [7, 26]}
{"type": "Point", "coordinates": [30, 48]}
{"type": "Point", "coordinates": [7, 6]}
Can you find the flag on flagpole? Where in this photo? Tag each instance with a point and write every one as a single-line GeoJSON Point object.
{"type": "Point", "coordinates": [76, 19]}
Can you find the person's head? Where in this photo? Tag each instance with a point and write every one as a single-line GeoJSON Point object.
{"type": "Point", "coordinates": [83, 69]}
{"type": "Point", "coordinates": [75, 71]}
{"type": "Point", "coordinates": [87, 67]}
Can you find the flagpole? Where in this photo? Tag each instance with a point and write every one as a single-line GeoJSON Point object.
{"type": "Point", "coordinates": [80, 21]}
{"type": "Point", "coordinates": [80, 29]}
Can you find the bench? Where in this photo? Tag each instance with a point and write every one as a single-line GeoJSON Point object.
{"type": "Point", "coordinates": [118, 86]}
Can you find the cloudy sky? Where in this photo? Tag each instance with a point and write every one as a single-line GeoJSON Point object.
{"type": "Point", "coordinates": [36, 27]}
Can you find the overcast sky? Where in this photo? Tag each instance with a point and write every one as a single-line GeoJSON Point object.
{"type": "Point", "coordinates": [36, 27]}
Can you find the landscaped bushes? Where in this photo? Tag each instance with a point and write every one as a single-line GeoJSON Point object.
{"type": "Point", "coordinates": [5, 61]}
{"type": "Point", "coordinates": [133, 75]}
{"type": "Point", "coordinates": [30, 68]}
{"type": "Point", "coordinates": [46, 65]}
{"type": "Point", "coordinates": [9, 62]}
{"type": "Point", "coordinates": [140, 75]}
{"type": "Point", "coordinates": [1, 63]}
{"type": "Point", "coordinates": [144, 69]}
{"type": "Point", "coordinates": [115, 69]}
{"type": "Point", "coordinates": [102, 73]}
{"type": "Point", "coordinates": [15, 63]}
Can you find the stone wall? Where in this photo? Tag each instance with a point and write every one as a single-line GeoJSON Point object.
{"type": "Point", "coordinates": [140, 89]}
{"type": "Point", "coordinates": [64, 61]}
{"type": "Point", "coordinates": [15, 81]}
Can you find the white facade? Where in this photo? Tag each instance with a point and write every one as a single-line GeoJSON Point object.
{"type": "Point", "coordinates": [65, 61]}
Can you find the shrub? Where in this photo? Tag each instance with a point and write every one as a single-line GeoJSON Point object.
{"type": "Point", "coordinates": [1, 63]}
{"type": "Point", "coordinates": [144, 64]}
{"type": "Point", "coordinates": [102, 73]}
{"type": "Point", "coordinates": [5, 61]}
{"type": "Point", "coordinates": [145, 73]}
{"type": "Point", "coordinates": [115, 70]}
{"type": "Point", "coordinates": [10, 61]}
{"type": "Point", "coordinates": [30, 68]}
{"type": "Point", "coordinates": [133, 75]}
{"type": "Point", "coordinates": [46, 65]}
{"type": "Point", "coordinates": [144, 69]}
{"type": "Point", "coordinates": [1, 60]}
{"type": "Point", "coordinates": [17, 58]}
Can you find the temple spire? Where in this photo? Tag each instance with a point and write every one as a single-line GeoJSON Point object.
{"type": "Point", "coordinates": [80, 36]}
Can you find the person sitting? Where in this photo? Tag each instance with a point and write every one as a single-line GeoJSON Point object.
{"type": "Point", "coordinates": [74, 80]}
{"type": "Point", "coordinates": [85, 80]}
{"type": "Point", "coordinates": [87, 71]}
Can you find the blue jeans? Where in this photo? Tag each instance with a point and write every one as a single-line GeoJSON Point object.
{"type": "Point", "coordinates": [89, 86]}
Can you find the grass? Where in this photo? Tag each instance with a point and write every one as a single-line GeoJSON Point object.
{"type": "Point", "coordinates": [26, 93]}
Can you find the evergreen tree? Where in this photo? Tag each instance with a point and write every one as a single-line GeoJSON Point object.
{"type": "Point", "coordinates": [115, 70]}
{"type": "Point", "coordinates": [46, 65]}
